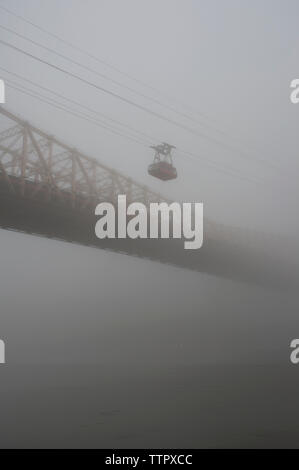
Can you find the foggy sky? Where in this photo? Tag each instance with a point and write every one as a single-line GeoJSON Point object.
{"type": "Point", "coordinates": [232, 61]}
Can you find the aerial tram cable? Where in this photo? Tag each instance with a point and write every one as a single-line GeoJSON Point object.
{"type": "Point", "coordinates": [87, 108]}
{"type": "Point", "coordinates": [75, 113]}
{"type": "Point", "coordinates": [233, 147]}
{"type": "Point", "coordinates": [116, 69]}
{"type": "Point", "coordinates": [105, 127]}
{"type": "Point", "coordinates": [128, 101]}
{"type": "Point", "coordinates": [103, 76]}
{"type": "Point", "coordinates": [94, 85]}
{"type": "Point", "coordinates": [95, 58]}
{"type": "Point", "coordinates": [147, 139]}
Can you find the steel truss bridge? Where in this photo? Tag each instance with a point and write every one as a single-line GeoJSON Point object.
{"type": "Point", "coordinates": [50, 189]}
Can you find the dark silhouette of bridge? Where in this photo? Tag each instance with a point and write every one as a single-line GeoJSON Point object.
{"type": "Point", "coordinates": [49, 189]}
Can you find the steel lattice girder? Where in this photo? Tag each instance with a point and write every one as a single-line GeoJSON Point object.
{"type": "Point", "coordinates": [59, 171]}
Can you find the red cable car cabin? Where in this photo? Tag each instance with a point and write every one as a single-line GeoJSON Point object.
{"type": "Point", "coordinates": [162, 167]}
{"type": "Point", "coordinates": [163, 170]}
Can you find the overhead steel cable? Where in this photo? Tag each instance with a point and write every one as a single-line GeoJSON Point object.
{"type": "Point", "coordinates": [121, 72]}
{"type": "Point", "coordinates": [94, 85]}
{"type": "Point", "coordinates": [132, 103]}
{"type": "Point", "coordinates": [80, 115]}
{"type": "Point", "coordinates": [103, 62]}
{"type": "Point", "coordinates": [103, 76]}
{"type": "Point", "coordinates": [149, 138]}
{"type": "Point", "coordinates": [85, 52]}
{"type": "Point", "coordinates": [75, 113]}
